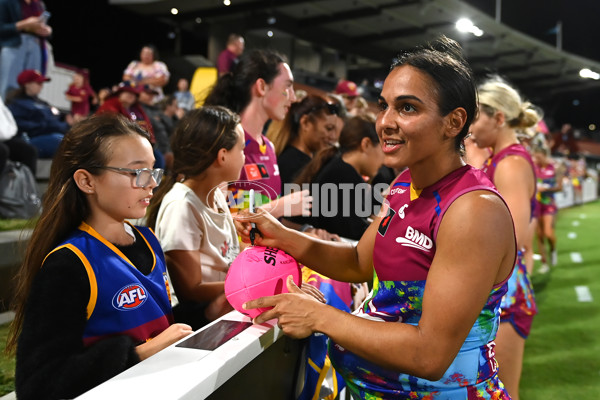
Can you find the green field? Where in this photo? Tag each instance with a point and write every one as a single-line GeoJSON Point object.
{"type": "Point", "coordinates": [562, 355]}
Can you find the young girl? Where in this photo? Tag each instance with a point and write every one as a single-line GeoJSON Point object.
{"type": "Point", "coordinates": [92, 298]}
{"type": "Point", "coordinates": [190, 213]}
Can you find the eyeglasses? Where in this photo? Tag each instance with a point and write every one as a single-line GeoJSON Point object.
{"type": "Point", "coordinates": [143, 176]}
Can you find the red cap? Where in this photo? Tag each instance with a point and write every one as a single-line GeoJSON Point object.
{"type": "Point", "coordinates": [31, 75]}
{"type": "Point", "coordinates": [348, 88]}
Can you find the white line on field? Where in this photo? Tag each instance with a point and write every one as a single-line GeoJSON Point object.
{"type": "Point", "coordinates": [582, 216]}
{"type": "Point", "coordinates": [576, 257]}
{"type": "Point", "coordinates": [575, 223]}
{"type": "Point", "coordinates": [583, 294]}
{"type": "Point", "coordinates": [572, 235]}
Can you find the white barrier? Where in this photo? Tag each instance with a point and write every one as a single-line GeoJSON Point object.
{"type": "Point", "coordinates": [589, 191]}
{"type": "Point", "coordinates": [257, 363]}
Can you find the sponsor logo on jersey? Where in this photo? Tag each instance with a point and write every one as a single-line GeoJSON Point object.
{"type": "Point", "coordinates": [416, 239]}
{"type": "Point", "coordinates": [130, 297]}
{"type": "Point", "coordinates": [397, 190]}
{"type": "Point", "coordinates": [401, 211]}
{"type": "Point", "coordinates": [256, 171]}
{"type": "Point", "coordinates": [385, 221]}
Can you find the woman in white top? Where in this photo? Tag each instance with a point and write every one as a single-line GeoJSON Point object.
{"type": "Point", "coordinates": [190, 214]}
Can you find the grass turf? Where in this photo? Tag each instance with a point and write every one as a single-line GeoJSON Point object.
{"type": "Point", "coordinates": [562, 354]}
{"type": "Point", "coordinates": [7, 365]}
{"type": "Point", "coordinates": [15, 224]}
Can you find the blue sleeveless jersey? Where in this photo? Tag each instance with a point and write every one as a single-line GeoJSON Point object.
{"type": "Point", "coordinates": [405, 246]}
{"type": "Point", "coordinates": [123, 301]}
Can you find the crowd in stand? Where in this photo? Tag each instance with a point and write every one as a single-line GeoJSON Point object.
{"type": "Point", "coordinates": [326, 170]}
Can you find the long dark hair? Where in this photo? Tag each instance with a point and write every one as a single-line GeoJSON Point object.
{"type": "Point", "coordinates": [443, 61]}
{"type": "Point", "coordinates": [313, 106]}
{"type": "Point", "coordinates": [196, 142]}
{"type": "Point", "coordinates": [233, 90]}
{"type": "Point", "coordinates": [355, 129]}
{"type": "Point", "coordinates": [85, 146]}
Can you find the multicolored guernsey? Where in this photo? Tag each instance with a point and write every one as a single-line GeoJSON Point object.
{"type": "Point", "coordinates": [123, 301]}
{"type": "Point", "coordinates": [404, 249]}
{"type": "Point", "coordinates": [546, 178]}
{"type": "Point", "coordinates": [518, 305]}
{"type": "Point", "coordinates": [260, 172]}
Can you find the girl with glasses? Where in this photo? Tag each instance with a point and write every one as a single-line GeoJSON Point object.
{"type": "Point", "coordinates": [92, 296]}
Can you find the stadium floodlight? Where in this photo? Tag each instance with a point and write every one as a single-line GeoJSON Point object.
{"type": "Point", "coordinates": [588, 73]}
{"type": "Point", "coordinates": [466, 25]}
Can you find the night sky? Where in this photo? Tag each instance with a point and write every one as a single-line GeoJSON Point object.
{"type": "Point", "coordinates": [103, 38]}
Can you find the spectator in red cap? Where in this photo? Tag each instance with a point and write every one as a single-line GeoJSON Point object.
{"type": "Point", "coordinates": [349, 92]}
{"type": "Point", "coordinates": [124, 100]}
{"type": "Point", "coordinates": [39, 123]}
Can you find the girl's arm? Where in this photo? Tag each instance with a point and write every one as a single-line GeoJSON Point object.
{"type": "Point", "coordinates": [185, 269]}
{"type": "Point", "coordinates": [475, 250]}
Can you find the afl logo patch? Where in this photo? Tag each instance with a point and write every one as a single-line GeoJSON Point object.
{"type": "Point", "coordinates": [130, 297]}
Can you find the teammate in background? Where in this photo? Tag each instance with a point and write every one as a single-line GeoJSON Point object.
{"type": "Point", "coordinates": [260, 88]}
{"type": "Point", "coordinates": [85, 265]}
{"type": "Point", "coordinates": [441, 251]}
{"type": "Point", "coordinates": [501, 113]}
{"type": "Point", "coordinates": [475, 155]}
{"type": "Point", "coordinates": [548, 183]}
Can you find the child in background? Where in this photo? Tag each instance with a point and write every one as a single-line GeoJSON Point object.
{"type": "Point", "coordinates": [185, 98]}
{"type": "Point", "coordinates": [190, 215]}
{"type": "Point", "coordinates": [79, 94]}
{"type": "Point", "coordinates": [86, 271]}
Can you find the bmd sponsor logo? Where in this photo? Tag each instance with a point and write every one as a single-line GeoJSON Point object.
{"type": "Point", "coordinates": [130, 297]}
{"type": "Point", "coordinates": [416, 239]}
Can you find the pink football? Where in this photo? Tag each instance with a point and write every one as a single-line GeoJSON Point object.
{"type": "Point", "coordinates": [257, 272]}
